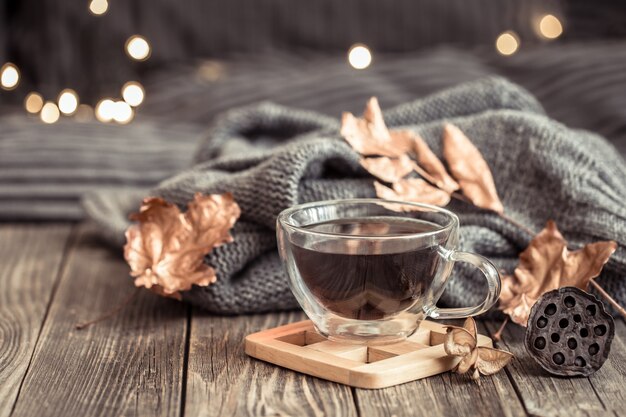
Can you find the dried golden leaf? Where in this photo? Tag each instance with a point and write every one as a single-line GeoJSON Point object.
{"type": "Point", "coordinates": [165, 248]}
{"type": "Point", "coordinates": [414, 190]}
{"type": "Point", "coordinates": [470, 169]}
{"type": "Point", "coordinates": [492, 360]}
{"type": "Point", "coordinates": [470, 325]}
{"type": "Point", "coordinates": [428, 161]}
{"type": "Point", "coordinates": [158, 290]}
{"type": "Point", "coordinates": [145, 244]}
{"type": "Point", "coordinates": [467, 362]}
{"type": "Point", "coordinates": [585, 264]}
{"type": "Point", "coordinates": [517, 306]}
{"type": "Point", "coordinates": [369, 135]}
{"type": "Point", "coordinates": [212, 216]}
{"type": "Point", "coordinates": [459, 341]}
{"type": "Point", "coordinates": [388, 169]}
{"type": "Point", "coordinates": [462, 342]}
{"type": "Point", "coordinates": [418, 190]}
{"type": "Point", "coordinates": [546, 264]}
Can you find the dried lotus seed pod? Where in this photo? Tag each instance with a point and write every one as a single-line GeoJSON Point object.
{"type": "Point", "coordinates": [569, 332]}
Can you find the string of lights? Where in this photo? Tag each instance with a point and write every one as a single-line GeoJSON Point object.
{"type": "Point", "coordinates": [132, 94]}
{"type": "Point", "coordinates": [548, 27]}
{"type": "Point", "coordinates": [108, 109]}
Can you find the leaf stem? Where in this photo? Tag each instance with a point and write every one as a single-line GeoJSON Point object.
{"type": "Point", "coordinates": [461, 197]}
{"type": "Point", "coordinates": [608, 298]}
{"type": "Point", "coordinates": [517, 224]}
{"type": "Point", "coordinates": [497, 336]}
{"type": "Point", "coordinates": [110, 313]}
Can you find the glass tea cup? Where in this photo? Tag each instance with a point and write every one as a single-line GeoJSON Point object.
{"type": "Point", "coordinates": [370, 270]}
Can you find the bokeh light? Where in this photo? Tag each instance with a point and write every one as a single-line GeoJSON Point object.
{"type": "Point", "coordinates": [33, 102]}
{"type": "Point", "coordinates": [133, 93]}
{"type": "Point", "coordinates": [68, 101]}
{"type": "Point", "coordinates": [550, 26]}
{"type": "Point", "coordinates": [105, 110]}
{"type": "Point", "coordinates": [98, 7]}
{"type": "Point", "coordinates": [49, 113]}
{"type": "Point", "coordinates": [507, 43]}
{"type": "Point", "coordinates": [122, 112]}
{"type": "Point", "coordinates": [359, 56]}
{"type": "Point", "coordinates": [138, 48]}
{"type": "Point", "coordinates": [210, 70]}
{"type": "Point", "coordinates": [9, 76]}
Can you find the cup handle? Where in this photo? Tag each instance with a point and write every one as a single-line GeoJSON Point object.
{"type": "Point", "coordinates": [493, 281]}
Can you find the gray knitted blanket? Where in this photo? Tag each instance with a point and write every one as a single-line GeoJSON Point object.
{"type": "Point", "coordinates": [272, 157]}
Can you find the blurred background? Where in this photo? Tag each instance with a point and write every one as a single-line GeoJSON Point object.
{"type": "Point", "coordinates": [91, 87]}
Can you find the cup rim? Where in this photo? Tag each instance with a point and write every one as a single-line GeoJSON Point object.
{"type": "Point", "coordinates": [284, 215]}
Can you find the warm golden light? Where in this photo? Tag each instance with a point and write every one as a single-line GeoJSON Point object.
{"type": "Point", "coordinates": [507, 43]}
{"type": "Point", "coordinates": [122, 112]}
{"type": "Point", "coordinates": [210, 70]}
{"type": "Point", "coordinates": [550, 26]}
{"type": "Point", "coordinates": [98, 7]}
{"type": "Point", "coordinates": [68, 101]}
{"type": "Point", "coordinates": [133, 93]}
{"type": "Point", "coordinates": [9, 76]}
{"type": "Point", "coordinates": [105, 110]}
{"type": "Point", "coordinates": [359, 56]}
{"type": "Point", "coordinates": [33, 102]}
{"type": "Point", "coordinates": [49, 113]}
{"type": "Point", "coordinates": [138, 48]}
{"type": "Point", "coordinates": [84, 113]}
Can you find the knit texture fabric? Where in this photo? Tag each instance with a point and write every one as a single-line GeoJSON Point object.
{"type": "Point", "coordinates": [272, 157]}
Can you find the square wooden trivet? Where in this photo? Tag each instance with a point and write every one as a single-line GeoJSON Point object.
{"type": "Point", "coordinates": [299, 347]}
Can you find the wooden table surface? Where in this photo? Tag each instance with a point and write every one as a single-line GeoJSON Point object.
{"type": "Point", "coordinates": [159, 357]}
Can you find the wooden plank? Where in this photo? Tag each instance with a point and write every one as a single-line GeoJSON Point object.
{"type": "Point", "coordinates": [30, 259]}
{"type": "Point", "coordinates": [128, 365]}
{"type": "Point", "coordinates": [223, 381]}
{"type": "Point", "coordinates": [609, 381]}
{"type": "Point", "coordinates": [447, 394]}
{"type": "Point", "coordinates": [541, 393]}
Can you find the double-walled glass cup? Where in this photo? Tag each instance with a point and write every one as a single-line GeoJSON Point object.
{"type": "Point", "coordinates": [370, 270]}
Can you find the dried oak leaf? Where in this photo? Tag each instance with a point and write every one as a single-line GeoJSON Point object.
{"type": "Point", "coordinates": [434, 169]}
{"type": "Point", "coordinates": [545, 265]}
{"type": "Point", "coordinates": [414, 190]}
{"type": "Point", "coordinates": [369, 135]}
{"type": "Point", "coordinates": [470, 169]}
{"type": "Point", "coordinates": [165, 248]}
{"type": "Point", "coordinates": [389, 169]}
{"type": "Point", "coordinates": [463, 342]}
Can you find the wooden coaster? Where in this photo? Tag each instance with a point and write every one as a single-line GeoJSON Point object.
{"type": "Point", "coordinates": [299, 347]}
